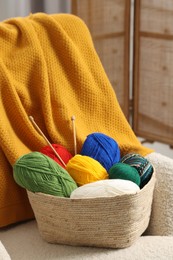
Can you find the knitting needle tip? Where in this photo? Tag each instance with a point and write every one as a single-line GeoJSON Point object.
{"type": "Point", "coordinates": [73, 118]}
{"type": "Point", "coordinates": [31, 118]}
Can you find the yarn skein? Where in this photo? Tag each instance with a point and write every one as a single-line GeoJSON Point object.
{"type": "Point", "coordinates": [61, 150]}
{"type": "Point", "coordinates": [84, 169]}
{"type": "Point", "coordinates": [37, 172]}
{"type": "Point", "coordinates": [143, 166]}
{"type": "Point", "coordinates": [102, 148]}
{"type": "Point", "coordinates": [125, 172]}
{"type": "Point", "coordinates": [105, 188]}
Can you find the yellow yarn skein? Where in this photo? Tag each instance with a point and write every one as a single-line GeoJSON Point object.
{"type": "Point", "coordinates": [84, 169]}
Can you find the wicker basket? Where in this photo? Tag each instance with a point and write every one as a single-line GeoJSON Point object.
{"type": "Point", "coordinates": [113, 222]}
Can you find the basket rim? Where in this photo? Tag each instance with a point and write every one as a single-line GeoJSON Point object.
{"type": "Point", "coordinates": [152, 180]}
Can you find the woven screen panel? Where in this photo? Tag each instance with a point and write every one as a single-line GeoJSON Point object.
{"type": "Point", "coordinates": [156, 16]}
{"type": "Point", "coordinates": [153, 115]}
{"type": "Point", "coordinates": [108, 22]}
{"type": "Point", "coordinates": [107, 16]}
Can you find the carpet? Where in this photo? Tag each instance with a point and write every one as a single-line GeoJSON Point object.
{"type": "Point", "coordinates": [23, 242]}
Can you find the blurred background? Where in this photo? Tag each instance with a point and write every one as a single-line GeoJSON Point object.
{"type": "Point", "coordinates": [134, 40]}
{"type": "Point", "coordinates": [13, 8]}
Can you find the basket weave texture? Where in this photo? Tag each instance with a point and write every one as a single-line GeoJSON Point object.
{"type": "Point", "coordinates": [113, 222]}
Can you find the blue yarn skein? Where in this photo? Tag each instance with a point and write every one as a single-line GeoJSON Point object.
{"type": "Point", "coordinates": [102, 148]}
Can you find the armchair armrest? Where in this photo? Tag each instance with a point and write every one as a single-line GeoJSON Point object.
{"type": "Point", "coordinates": [161, 221]}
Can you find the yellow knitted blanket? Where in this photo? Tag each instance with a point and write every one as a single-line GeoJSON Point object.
{"type": "Point", "coordinates": [49, 69]}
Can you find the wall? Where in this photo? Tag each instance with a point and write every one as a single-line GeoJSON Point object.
{"type": "Point", "coordinates": [13, 8]}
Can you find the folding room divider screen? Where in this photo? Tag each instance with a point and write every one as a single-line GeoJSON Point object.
{"type": "Point", "coordinates": [109, 24]}
{"type": "Point", "coordinates": [153, 70]}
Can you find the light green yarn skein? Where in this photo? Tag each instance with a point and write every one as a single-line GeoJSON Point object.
{"type": "Point", "coordinates": [37, 172]}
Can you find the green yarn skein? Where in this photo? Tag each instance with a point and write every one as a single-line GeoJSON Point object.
{"type": "Point", "coordinates": [37, 172]}
{"type": "Point", "coordinates": [125, 172]}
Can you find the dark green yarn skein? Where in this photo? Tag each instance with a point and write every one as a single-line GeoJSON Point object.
{"type": "Point", "coordinates": [37, 172]}
{"type": "Point", "coordinates": [125, 172]}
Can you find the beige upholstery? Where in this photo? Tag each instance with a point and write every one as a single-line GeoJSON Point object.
{"type": "Point", "coordinates": [161, 222]}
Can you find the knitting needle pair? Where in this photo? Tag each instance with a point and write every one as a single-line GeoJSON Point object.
{"type": "Point", "coordinates": [45, 138]}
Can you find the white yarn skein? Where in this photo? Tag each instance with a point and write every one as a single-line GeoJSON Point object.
{"type": "Point", "coordinates": [105, 188]}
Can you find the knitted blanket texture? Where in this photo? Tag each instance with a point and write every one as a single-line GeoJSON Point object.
{"type": "Point", "coordinates": [49, 69]}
